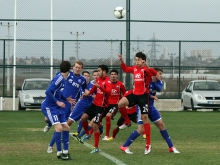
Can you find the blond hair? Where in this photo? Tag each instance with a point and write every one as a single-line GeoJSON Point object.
{"type": "Point", "coordinates": [78, 62]}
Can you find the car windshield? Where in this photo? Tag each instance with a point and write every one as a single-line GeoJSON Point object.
{"type": "Point", "coordinates": [36, 85]}
{"type": "Point", "coordinates": [206, 86]}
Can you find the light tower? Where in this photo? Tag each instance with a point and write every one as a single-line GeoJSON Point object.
{"type": "Point", "coordinates": [153, 51]}
{"type": "Point", "coordinates": [77, 43]}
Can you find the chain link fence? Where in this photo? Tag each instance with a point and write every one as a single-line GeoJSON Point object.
{"type": "Point", "coordinates": [88, 31]}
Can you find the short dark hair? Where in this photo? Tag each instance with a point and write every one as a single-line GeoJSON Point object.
{"type": "Point", "coordinates": [114, 70]}
{"type": "Point", "coordinates": [95, 71]}
{"type": "Point", "coordinates": [65, 66]}
{"type": "Point", "coordinates": [158, 69]}
{"type": "Point", "coordinates": [103, 67]}
{"type": "Point", "coordinates": [141, 55]}
{"type": "Point", "coordinates": [85, 72]}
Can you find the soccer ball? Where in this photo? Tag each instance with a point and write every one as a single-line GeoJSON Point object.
{"type": "Point", "coordinates": [119, 12]}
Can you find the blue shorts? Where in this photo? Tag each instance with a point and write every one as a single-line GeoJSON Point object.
{"type": "Point", "coordinates": [78, 111]}
{"type": "Point", "coordinates": [54, 114]}
{"type": "Point", "coordinates": [153, 114]}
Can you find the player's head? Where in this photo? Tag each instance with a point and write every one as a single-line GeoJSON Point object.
{"type": "Point", "coordinates": [86, 74]}
{"type": "Point", "coordinates": [102, 70]}
{"type": "Point", "coordinates": [77, 67]}
{"type": "Point", "coordinates": [113, 75]}
{"type": "Point", "coordinates": [65, 67]}
{"type": "Point", "coordinates": [159, 75]}
{"type": "Point", "coordinates": [95, 74]}
{"type": "Point", "coordinates": [140, 59]}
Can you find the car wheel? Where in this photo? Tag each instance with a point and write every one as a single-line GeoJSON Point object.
{"type": "Point", "coordinates": [20, 107]}
{"type": "Point", "coordinates": [192, 105]}
{"type": "Point", "coordinates": [183, 107]}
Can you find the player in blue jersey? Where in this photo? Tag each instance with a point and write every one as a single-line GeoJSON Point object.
{"type": "Point", "coordinates": [154, 115]}
{"type": "Point", "coordinates": [52, 108]}
{"type": "Point", "coordinates": [74, 82]}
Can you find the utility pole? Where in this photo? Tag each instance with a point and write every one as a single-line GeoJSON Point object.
{"type": "Point", "coordinates": [8, 56]}
{"type": "Point", "coordinates": [77, 43]}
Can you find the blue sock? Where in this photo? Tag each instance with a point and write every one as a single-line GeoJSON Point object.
{"type": "Point", "coordinates": [83, 132]}
{"type": "Point", "coordinates": [49, 124]}
{"type": "Point", "coordinates": [52, 140]}
{"type": "Point", "coordinates": [166, 137]}
{"type": "Point", "coordinates": [65, 137]}
{"type": "Point", "coordinates": [131, 138]}
{"type": "Point", "coordinates": [101, 129]}
{"type": "Point", "coordinates": [79, 128]}
{"type": "Point", "coordinates": [58, 140]}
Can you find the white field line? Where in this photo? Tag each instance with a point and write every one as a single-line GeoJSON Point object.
{"type": "Point", "coordinates": [112, 158]}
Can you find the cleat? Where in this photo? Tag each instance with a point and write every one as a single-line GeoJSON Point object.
{"type": "Point", "coordinates": [76, 137]}
{"type": "Point", "coordinates": [46, 128]}
{"type": "Point", "coordinates": [85, 137]}
{"type": "Point", "coordinates": [147, 149]}
{"type": "Point", "coordinates": [65, 156]}
{"type": "Point", "coordinates": [59, 155]}
{"type": "Point", "coordinates": [75, 134]}
{"type": "Point", "coordinates": [105, 138]}
{"type": "Point", "coordinates": [125, 125]}
{"type": "Point", "coordinates": [95, 150]}
{"type": "Point", "coordinates": [49, 149]}
{"type": "Point", "coordinates": [174, 150]}
{"type": "Point", "coordinates": [110, 139]}
{"type": "Point", "coordinates": [126, 150]}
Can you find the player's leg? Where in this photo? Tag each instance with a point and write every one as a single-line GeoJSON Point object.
{"type": "Point", "coordinates": [65, 138]}
{"type": "Point", "coordinates": [48, 126]}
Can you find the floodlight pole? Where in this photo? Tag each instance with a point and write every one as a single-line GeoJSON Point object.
{"type": "Point", "coordinates": [77, 43]}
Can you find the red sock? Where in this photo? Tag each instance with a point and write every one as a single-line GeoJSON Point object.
{"type": "Point", "coordinates": [91, 131]}
{"type": "Point", "coordinates": [147, 130]}
{"type": "Point", "coordinates": [85, 127]}
{"type": "Point", "coordinates": [124, 114]}
{"type": "Point", "coordinates": [115, 132]}
{"type": "Point", "coordinates": [107, 125]}
{"type": "Point", "coordinates": [96, 139]}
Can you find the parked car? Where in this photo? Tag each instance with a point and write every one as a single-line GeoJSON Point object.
{"type": "Point", "coordinates": [32, 93]}
{"type": "Point", "coordinates": [201, 94]}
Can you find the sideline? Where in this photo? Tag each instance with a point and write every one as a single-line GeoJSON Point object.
{"type": "Point", "coordinates": [112, 158]}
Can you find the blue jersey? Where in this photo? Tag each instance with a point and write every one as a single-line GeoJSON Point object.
{"type": "Point", "coordinates": [89, 99]}
{"type": "Point", "coordinates": [53, 93]}
{"type": "Point", "coordinates": [154, 88]}
{"type": "Point", "coordinates": [73, 85]}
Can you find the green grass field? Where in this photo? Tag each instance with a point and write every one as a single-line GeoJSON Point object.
{"type": "Point", "coordinates": [195, 134]}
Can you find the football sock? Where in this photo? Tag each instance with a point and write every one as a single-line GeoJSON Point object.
{"type": "Point", "coordinates": [131, 138]}
{"type": "Point", "coordinates": [79, 128]}
{"type": "Point", "coordinates": [52, 140]}
{"type": "Point", "coordinates": [101, 129]}
{"type": "Point", "coordinates": [58, 140]}
{"type": "Point", "coordinates": [96, 139]}
{"type": "Point", "coordinates": [115, 132]}
{"type": "Point", "coordinates": [124, 114]}
{"type": "Point", "coordinates": [108, 125]}
{"type": "Point", "coordinates": [65, 136]}
{"type": "Point", "coordinates": [147, 130]}
{"type": "Point", "coordinates": [83, 132]}
{"type": "Point", "coordinates": [167, 138]}
{"type": "Point", "coordinates": [85, 127]}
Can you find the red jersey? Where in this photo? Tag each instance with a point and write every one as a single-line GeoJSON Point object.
{"type": "Point", "coordinates": [130, 110]}
{"type": "Point", "coordinates": [142, 77]}
{"type": "Point", "coordinates": [103, 91]}
{"type": "Point", "coordinates": [117, 91]}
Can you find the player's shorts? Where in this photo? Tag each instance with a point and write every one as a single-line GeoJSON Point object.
{"type": "Point", "coordinates": [54, 114]}
{"type": "Point", "coordinates": [132, 117]}
{"type": "Point", "coordinates": [112, 108]}
{"type": "Point", "coordinates": [95, 112]}
{"type": "Point", "coordinates": [78, 111]}
{"type": "Point", "coordinates": [141, 100]}
{"type": "Point", "coordinates": [153, 115]}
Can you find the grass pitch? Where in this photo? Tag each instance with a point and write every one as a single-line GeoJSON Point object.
{"type": "Point", "coordinates": [195, 134]}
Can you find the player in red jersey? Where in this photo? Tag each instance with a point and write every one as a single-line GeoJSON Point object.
{"type": "Point", "coordinates": [117, 91]}
{"type": "Point", "coordinates": [132, 115]}
{"type": "Point", "coordinates": [142, 77]}
{"type": "Point", "coordinates": [103, 87]}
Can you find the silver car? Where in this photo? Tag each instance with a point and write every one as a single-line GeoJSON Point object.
{"type": "Point", "coordinates": [201, 94]}
{"type": "Point", "coordinates": [32, 93]}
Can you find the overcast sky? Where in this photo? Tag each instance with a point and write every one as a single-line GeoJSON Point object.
{"type": "Point", "coordinates": [144, 10]}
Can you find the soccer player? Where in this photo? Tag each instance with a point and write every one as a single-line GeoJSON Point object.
{"type": "Point", "coordinates": [142, 76]}
{"type": "Point", "coordinates": [52, 108]}
{"type": "Point", "coordinates": [75, 81]}
{"type": "Point", "coordinates": [117, 91]}
{"type": "Point", "coordinates": [154, 115]}
{"type": "Point", "coordinates": [103, 87]}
